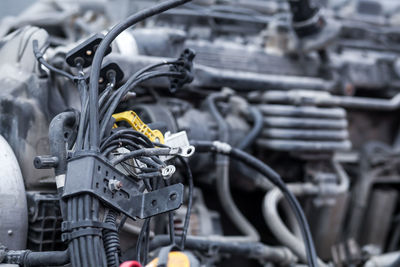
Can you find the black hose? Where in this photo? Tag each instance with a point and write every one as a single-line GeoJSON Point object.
{"type": "Point", "coordinates": [111, 240]}
{"type": "Point", "coordinates": [58, 135]}
{"type": "Point", "coordinates": [255, 131]}
{"type": "Point", "coordinates": [47, 258]}
{"type": "Point", "coordinates": [226, 149]}
{"type": "Point", "coordinates": [98, 58]}
{"type": "Point", "coordinates": [223, 129]}
{"type": "Point", "coordinates": [190, 201]}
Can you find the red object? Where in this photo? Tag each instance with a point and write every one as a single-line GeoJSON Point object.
{"type": "Point", "coordinates": [130, 264]}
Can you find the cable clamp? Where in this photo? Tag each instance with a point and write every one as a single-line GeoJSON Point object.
{"type": "Point", "coordinates": [79, 233]}
{"type": "Point", "coordinates": [69, 226]}
{"type": "Point", "coordinates": [222, 147]}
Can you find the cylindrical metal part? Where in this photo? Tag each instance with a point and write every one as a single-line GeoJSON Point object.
{"type": "Point", "coordinates": [13, 205]}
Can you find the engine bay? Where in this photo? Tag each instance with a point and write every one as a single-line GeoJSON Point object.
{"type": "Point", "coordinates": [200, 133]}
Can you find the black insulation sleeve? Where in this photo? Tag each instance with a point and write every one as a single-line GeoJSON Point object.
{"type": "Point", "coordinates": [111, 240]}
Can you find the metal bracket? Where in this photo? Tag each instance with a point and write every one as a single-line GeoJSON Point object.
{"type": "Point", "coordinates": [92, 174]}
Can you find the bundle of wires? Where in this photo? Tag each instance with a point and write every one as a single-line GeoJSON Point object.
{"type": "Point", "coordinates": [94, 135]}
{"type": "Point", "coordinates": [139, 158]}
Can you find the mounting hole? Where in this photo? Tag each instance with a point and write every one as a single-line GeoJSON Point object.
{"type": "Point", "coordinates": [98, 168]}
{"type": "Point", "coordinates": [106, 173]}
{"type": "Point", "coordinates": [154, 202]}
{"type": "Point", "coordinates": [172, 196]}
{"type": "Point", "coordinates": [66, 135]}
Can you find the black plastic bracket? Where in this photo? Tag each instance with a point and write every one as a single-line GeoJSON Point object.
{"type": "Point", "coordinates": [83, 54]}
{"type": "Point", "coordinates": [92, 174]}
{"type": "Point", "coordinates": [105, 72]}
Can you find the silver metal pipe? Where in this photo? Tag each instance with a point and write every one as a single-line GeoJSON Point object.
{"type": "Point", "coordinates": [274, 221]}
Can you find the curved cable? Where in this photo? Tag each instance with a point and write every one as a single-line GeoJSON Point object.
{"type": "Point", "coordinates": [94, 138]}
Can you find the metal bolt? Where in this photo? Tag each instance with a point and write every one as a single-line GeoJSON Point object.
{"type": "Point", "coordinates": [173, 196]}
{"type": "Point", "coordinates": [9, 232]}
{"type": "Point", "coordinates": [114, 185]}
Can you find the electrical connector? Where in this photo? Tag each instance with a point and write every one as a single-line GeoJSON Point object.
{"type": "Point", "coordinates": [186, 67]}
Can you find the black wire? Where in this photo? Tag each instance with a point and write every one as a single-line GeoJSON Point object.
{"type": "Point", "coordinates": [126, 88]}
{"type": "Point", "coordinates": [122, 142]}
{"type": "Point", "coordinates": [98, 58]}
{"type": "Point", "coordinates": [189, 177]}
{"type": "Point", "coordinates": [144, 169]}
{"type": "Point", "coordinates": [171, 222]}
{"type": "Point", "coordinates": [82, 239]}
{"type": "Point", "coordinates": [122, 222]}
{"type": "Point", "coordinates": [140, 153]}
{"type": "Point", "coordinates": [146, 246]}
{"type": "Point", "coordinates": [128, 132]}
{"type": "Point", "coordinates": [140, 239]}
{"type": "Point", "coordinates": [90, 243]}
{"type": "Point", "coordinates": [39, 57]}
{"type": "Point", "coordinates": [205, 146]}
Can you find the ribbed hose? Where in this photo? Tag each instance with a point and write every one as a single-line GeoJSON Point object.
{"type": "Point", "coordinates": [111, 241]}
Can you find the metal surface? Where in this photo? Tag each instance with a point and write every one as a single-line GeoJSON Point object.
{"type": "Point", "coordinates": [13, 205]}
{"type": "Point", "coordinates": [304, 128]}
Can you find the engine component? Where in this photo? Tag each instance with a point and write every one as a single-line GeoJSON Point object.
{"type": "Point", "coordinates": [14, 218]}
{"type": "Point", "coordinates": [175, 258]}
{"type": "Point", "coordinates": [305, 89]}
{"type": "Point", "coordinates": [304, 128]}
{"type": "Point", "coordinates": [44, 222]}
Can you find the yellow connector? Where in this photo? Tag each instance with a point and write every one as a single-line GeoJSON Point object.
{"type": "Point", "coordinates": [175, 259]}
{"type": "Point", "coordinates": [133, 119]}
